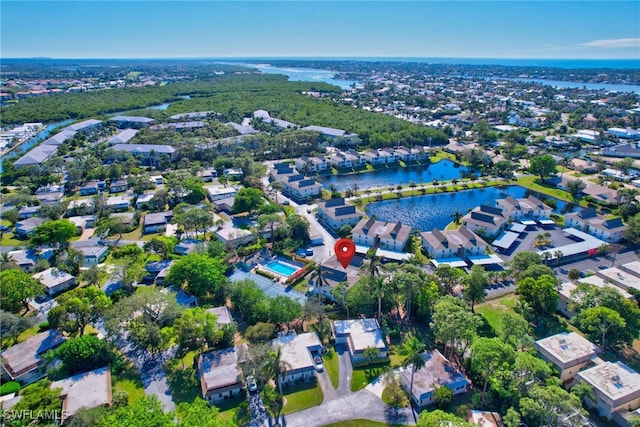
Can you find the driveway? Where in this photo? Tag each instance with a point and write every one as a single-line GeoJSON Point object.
{"type": "Point", "coordinates": [360, 405]}
{"type": "Point", "coordinates": [346, 370]}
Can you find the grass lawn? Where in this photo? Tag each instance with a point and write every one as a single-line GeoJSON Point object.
{"type": "Point", "coordinates": [332, 365]}
{"type": "Point", "coordinates": [302, 397]}
{"type": "Point", "coordinates": [530, 182]}
{"type": "Point", "coordinates": [363, 376]}
{"type": "Point", "coordinates": [491, 310]}
{"type": "Point", "coordinates": [183, 382]}
{"type": "Point", "coordinates": [228, 407]}
{"type": "Point", "coordinates": [8, 239]}
{"type": "Point", "coordinates": [302, 286]}
{"type": "Point", "coordinates": [129, 381]}
{"type": "Point", "coordinates": [22, 337]}
{"type": "Point", "coordinates": [360, 423]}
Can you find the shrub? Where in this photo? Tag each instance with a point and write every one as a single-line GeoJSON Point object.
{"type": "Point", "coordinates": [260, 332]}
{"type": "Point", "coordinates": [9, 387]}
{"type": "Point", "coordinates": [44, 326]}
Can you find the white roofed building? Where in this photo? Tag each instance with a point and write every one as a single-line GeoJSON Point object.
{"type": "Point", "coordinates": [358, 335]}
{"type": "Point", "coordinates": [298, 351]}
{"type": "Point", "coordinates": [568, 352]}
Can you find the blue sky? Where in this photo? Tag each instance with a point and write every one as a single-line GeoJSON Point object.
{"type": "Point", "coordinates": [480, 29]}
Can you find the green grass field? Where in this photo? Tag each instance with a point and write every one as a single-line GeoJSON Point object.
{"type": "Point", "coordinates": [363, 376]}
{"type": "Point", "coordinates": [302, 397]}
{"type": "Point", "coordinates": [332, 365]}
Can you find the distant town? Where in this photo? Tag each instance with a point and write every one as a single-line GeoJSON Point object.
{"type": "Point", "coordinates": [168, 232]}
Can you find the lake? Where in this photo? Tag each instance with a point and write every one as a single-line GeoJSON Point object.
{"type": "Point", "coordinates": [442, 170]}
{"type": "Point", "coordinates": [435, 210]}
{"type": "Point", "coordinates": [591, 86]}
{"type": "Point", "coordinates": [305, 75]}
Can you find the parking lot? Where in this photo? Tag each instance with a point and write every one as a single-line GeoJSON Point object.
{"type": "Point", "coordinates": [591, 265]}
{"type": "Point", "coordinates": [528, 238]}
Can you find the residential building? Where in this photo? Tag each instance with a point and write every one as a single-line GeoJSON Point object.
{"type": "Point", "coordinates": [337, 213]}
{"type": "Point", "coordinates": [298, 351]}
{"type": "Point", "coordinates": [28, 212]}
{"type": "Point", "coordinates": [81, 207]}
{"type": "Point", "coordinates": [624, 133]}
{"type": "Point", "coordinates": [23, 362]}
{"type": "Point", "coordinates": [453, 243]}
{"type": "Point", "coordinates": [358, 335]}
{"type": "Point", "coordinates": [523, 208]}
{"type": "Point", "coordinates": [117, 203]}
{"type": "Point", "coordinates": [26, 227]}
{"type": "Point", "coordinates": [307, 164]}
{"type": "Point", "coordinates": [27, 259]}
{"type": "Point", "coordinates": [90, 188]}
{"type": "Point", "coordinates": [143, 200]}
{"type": "Point", "coordinates": [370, 233]}
{"type": "Point", "coordinates": [611, 230]}
{"type": "Point", "coordinates": [616, 388]}
{"type": "Point", "coordinates": [157, 271]}
{"type": "Point", "coordinates": [146, 153]}
{"type": "Point", "coordinates": [485, 220]}
{"type": "Point", "coordinates": [122, 137]}
{"type": "Point", "coordinates": [569, 352]}
{"type": "Point", "coordinates": [623, 150]}
{"type": "Point", "coordinates": [220, 375]}
{"type": "Point", "coordinates": [223, 315]}
{"type": "Point", "coordinates": [625, 277]}
{"type": "Point", "coordinates": [36, 156]}
{"type": "Point", "coordinates": [220, 192]}
{"type": "Point", "coordinates": [187, 246]}
{"type": "Point", "coordinates": [132, 121]}
{"type": "Point", "coordinates": [84, 391]}
{"type": "Point", "coordinates": [584, 166]}
{"type": "Point", "coordinates": [55, 281]}
{"type": "Point", "coordinates": [118, 186]}
{"type": "Point", "coordinates": [330, 132]}
{"type": "Point", "coordinates": [92, 255]}
{"type": "Point", "coordinates": [235, 237]}
{"type": "Point", "coordinates": [437, 372]}
{"type": "Point", "coordinates": [484, 418]}
{"type": "Point", "coordinates": [83, 126]}
{"type": "Point", "coordinates": [156, 222]}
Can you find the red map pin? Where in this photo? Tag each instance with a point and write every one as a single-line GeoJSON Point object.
{"type": "Point", "coordinates": [345, 250]}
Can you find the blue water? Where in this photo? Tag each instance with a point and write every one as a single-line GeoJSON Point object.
{"type": "Point", "coordinates": [591, 86]}
{"type": "Point", "coordinates": [29, 144]}
{"type": "Point", "coordinates": [435, 210]}
{"type": "Point", "coordinates": [306, 75]}
{"type": "Point", "coordinates": [443, 170]}
{"type": "Point", "coordinates": [281, 268]}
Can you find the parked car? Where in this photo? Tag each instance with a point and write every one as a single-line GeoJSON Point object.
{"type": "Point", "coordinates": [252, 386]}
{"type": "Point", "coordinates": [286, 202]}
{"type": "Point", "coordinates": [318, 362]}
{"type": "Point", "coordinates": [308, 252]}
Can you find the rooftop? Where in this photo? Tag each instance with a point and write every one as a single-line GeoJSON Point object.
{"type": "Point", "coordinates": [567, 347]}
{"type": "Point", "coordinates": [616, 381]}
{"type": "Point", "coordinates": [296, 349]}
{"type": "Point", "coordinates": [86, 390]}
{"type": "Point", "coordinates": [51, 277]}
{"type": "Point", "coordinates": [223, 315]}
{"type": "Point", "coordinates": [219, 368]}
{"type": "Point", "coordinates": [436, 371]}
{"type": "Point", "coordinates": [22, 358]}
{"type": "Point", "coordinates": [363, 333]}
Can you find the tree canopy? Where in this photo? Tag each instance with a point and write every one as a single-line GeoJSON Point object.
{"type": "Point", "coordinates": [200, 275]}
{"type": "Point", "coordinates": [16, 289]}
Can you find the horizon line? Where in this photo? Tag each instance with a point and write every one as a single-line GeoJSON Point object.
{"type": "Point", "coordinates": [326, 57]}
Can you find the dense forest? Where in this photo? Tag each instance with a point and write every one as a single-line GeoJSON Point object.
{"type": "Point", "coordinates": [234, 96]}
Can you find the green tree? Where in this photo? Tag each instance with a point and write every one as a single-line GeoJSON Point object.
{"type": "Point", "coordinates": [260, 332]}
{"type": "Point", "coordinates": [16, 289]}
{"type": "Point", "coordinates": [298, 227]}
{"type": "Point", "coordinates": [547, 405]}
{"type": "Point", "coordinates": [439, 418]}
{"type": "Point", "coordinates": [633, 233]}
{"type": "Point", "coordinates": [93, 276]}
{"type": "Point", "coordinates": [58, 232]}
{"type": "Point", "coordinates": [541, 294]}
{"type": "Point", "coordinates": [523, 260]}
{"type": "Point", "coordinates": [448, 277]}
{"type": "Point", "coordinates": [340, 293]}
{"type": "Point", "coordinates": [162, 246]}
{"type": "Point", "coordinates": [319, 277]}
{"type": "Point", "coordinates": [77, 308]}
{"type": "Point", "coordinates": [248, 200]}
{"type": "Point", "coordinates": [575, 187]}
{"type": "Point", "coordinates": [475, 283]}
{"type": "Point", "coordinates": [201, 276]}
{"type": "Point", "coordinates": [196, 329]}
{"type": "Point", "coordinates": [273, 402]}
{"type": "Point", "coordinates": [12, 326]}
{"type": "Point", "coordinates": [37, 397]}
{"type": "Point", "coordinates": [515, 330]}
{"type": "Point", "coordinates": [84, 354]}
{"type": "Point", "coordinates": [601, 319]}
{"type": "Point", "coordinates": [512, 418]}
{"type": "Point", "coordinates": [250, 300]}
{"type": "Point", "coordinates": [414, 349]}
{"type": "Point", "coordinates": [624, 165]}
{"type": "Point", "coordinates": [543, 166]}
{"type": "Point", "coordinates": [574, 274]}
{"type": "Point", "coordinates": [370, 353]}
{"type": "Point", "coordinates": [199, 413]}
{"type": "Point", "coordinates": [487, 354]}
{"type": "Point", "coordinates": [283, 310]}
{"type": "Point", "coordinates": [453, 324]}
{"type": "Point", "coordinates": [111, 226]}
{"type": "Point", "coordinates": [146, 411]}
{"type": "Point", "coordinates": [275, 368]}
{"type": "Point", "coordinates": [443, 396]}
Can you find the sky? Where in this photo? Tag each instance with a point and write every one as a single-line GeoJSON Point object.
{"type": "Point", "coordinates": [239, 29]}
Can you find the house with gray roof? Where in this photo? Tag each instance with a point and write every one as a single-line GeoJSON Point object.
{"type": "Point", "coordinates": [298, 351]}
{"type": "Point", "coordinates": [92, 255]}
{"type": "Point", "coordinates": [36, 156]}
{"type": "Point", "coordinates": [337, 213]}
{"type": "Point", "coordinates": [131, 121]}
{"type": "Point", "coordinates": [611, 230]}
{"type": "Point", "coordinates": [146, 152]}
{"type": "Point", "coordinates": [569, 352]}
{"type": "Point", "coordinates": [330, 132]}
{"type": "Point", "coordinates": [359, 335]}
{"type": "Point", "coordinates": [27, 259]}
{"type": "Point", "coordinates": [84, 391]}
{"type": "Point", "coordinates": [23, 362]}
{"type": "Point", "coordinates": [436, 372]}
{"type": "Point", "coordinates": [83, 126]}
{"type": "Point", "coordinates": [59, 138]}
{"type": "Point", "coordinates": [156, 222]}
{"type": "Point", "coordinates": [55, 280]}
{"type": "Point", "coordinates": [123, 137]}
{"type": "Point", "coordinates": [522, 208]}
{"type": "Point", "coordinates": [485, 220]}
{"type": "Point", "coordinates": [453, 243]}
{"type": "Point", "coordinates": [384, 235]}
{"type": "Point", "coordinates": [220, 374]}
{"type": "Point", "coordinates": [26, 227]}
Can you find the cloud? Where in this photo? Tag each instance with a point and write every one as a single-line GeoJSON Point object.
{"type": "Point", "coordinates": [613, 43]}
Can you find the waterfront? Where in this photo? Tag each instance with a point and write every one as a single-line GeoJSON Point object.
{"type": "Point", "coordinates": [443, 170]}
{"type": "Point", "coordinates": [435, 210]}
{"type": "Point", "coordinates": [306, 75]}
{"type": "Point", "coordinates": [590, 86]}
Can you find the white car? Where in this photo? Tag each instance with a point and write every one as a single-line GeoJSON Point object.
{"type": "Point", "coordinates": [318, 362]}
{"type": "Point", "coordinates": [252, 386]}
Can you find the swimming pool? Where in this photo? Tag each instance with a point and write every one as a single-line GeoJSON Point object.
{"type": "Point", "coordinates": [281, 268]}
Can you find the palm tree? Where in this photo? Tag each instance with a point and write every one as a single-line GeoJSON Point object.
{"type": "Point", "coordinates": [457, 216]}
{"type": "Point", "coordinates": [277, 186]}
{"type": "Point", "coordinates": [414, 348]}
{"type": "Point", "coordinates": [275, 368]}
{"type": "Point", "coordinates": [341, 294]}
{"type": "Point", "coordinates": [318, 276]}
{"type": "Point", "coordinates": [412, 185]}
{"type": "Point", "coordinates": [370, 353]}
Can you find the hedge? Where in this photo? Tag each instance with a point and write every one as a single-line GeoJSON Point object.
{"type": "Point", "coordinates": [9, 387]}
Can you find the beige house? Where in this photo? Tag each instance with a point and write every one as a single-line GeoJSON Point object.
{"type": "Point", "coordinates": [616, 388]}
{"type": "Point", "coordinates": [220, 375]}
{"type": "Point", "coordinates": [298, 351]}
{"type": "Point", "coordinates": [568, 352]}
{"type": "Point", "coordinates": [359, 335]}
{"type": "Point", "coordinates": [385, 235]}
